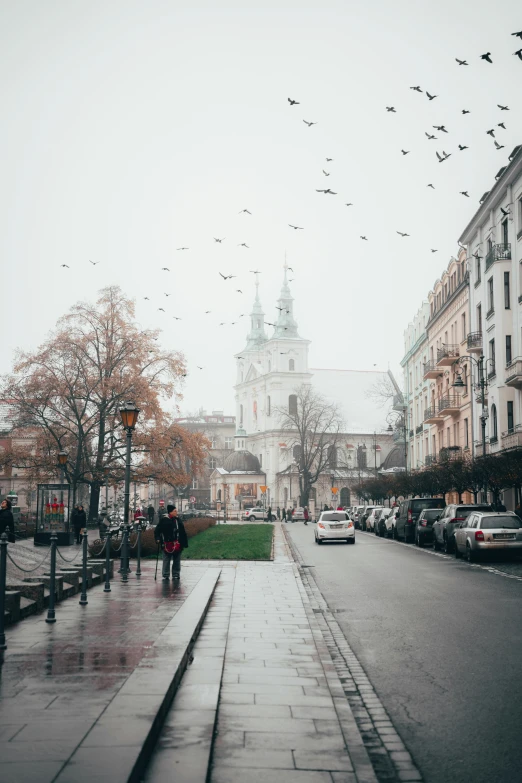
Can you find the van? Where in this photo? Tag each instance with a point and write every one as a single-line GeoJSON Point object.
{"type": "Point", "coordinates": [409, 513]}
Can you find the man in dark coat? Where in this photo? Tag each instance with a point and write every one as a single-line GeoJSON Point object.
{"type": "Point", "coordinates": [79, 521]}
{"type": "Point", "coordinates": [170, 531]}
{"type": "Point", "coordinates": [7, 519]}
{"type": "Point", "coordinates": [150, 513]}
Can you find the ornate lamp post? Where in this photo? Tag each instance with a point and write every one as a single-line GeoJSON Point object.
{"type": "Point", "coordinates": [62, 462]}
{"type": "Point", "coordinates": [129, 416]}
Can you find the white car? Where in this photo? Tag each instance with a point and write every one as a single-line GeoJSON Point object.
{"type": "Point", "coordinates": [390, 522]}
{"type": "Point", "coordinates": [252, 514]}
{"type": "Point", "coordinates": [298, 513]}
{"type": "Point", "coordinates": [334, 526]}
{"type": "Point", "coordinates": [370, 522]}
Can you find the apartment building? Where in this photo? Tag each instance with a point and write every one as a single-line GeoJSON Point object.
{"type": "Point", "coordinates": [494, 241]}
{"type": "Point", "coordinates": [416, 387]}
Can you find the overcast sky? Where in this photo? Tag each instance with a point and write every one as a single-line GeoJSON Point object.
{"type": "Point", "coordinates": [133, 128]}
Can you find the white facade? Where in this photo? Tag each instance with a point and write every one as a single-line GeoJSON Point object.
{"type": "Point", "coordinates": [494, 242]}
{"type": "Point", "coordinates": [416, 387]}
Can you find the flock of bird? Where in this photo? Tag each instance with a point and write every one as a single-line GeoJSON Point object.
{"type": "Point", "coordinates": [441, 156]}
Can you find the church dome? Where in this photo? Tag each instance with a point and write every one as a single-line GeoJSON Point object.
{"type": "Point", "coordinates": [395, 459]}
{"type": "Point", "coordinates": [242, 462]}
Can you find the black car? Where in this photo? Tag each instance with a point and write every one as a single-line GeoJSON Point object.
{"type": "Point", "coordinates": [424, 526]}
{"type": "Point", "coordinates": [409, 513]}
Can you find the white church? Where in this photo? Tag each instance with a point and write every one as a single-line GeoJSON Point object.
{"type": "Point", "coordinates": [270, 368]}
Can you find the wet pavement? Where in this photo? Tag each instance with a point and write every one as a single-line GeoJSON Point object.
{"type": "Point", "coordinates": [57, 680]}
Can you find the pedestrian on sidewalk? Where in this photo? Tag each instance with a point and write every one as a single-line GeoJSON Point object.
{"type": "Point", "coordinates": [284, 515]}
{"type": "Point", "coordinates": [269, 513]}
{"type": "Point", "coordinates": [79, 521]}
{"type": "Point", "coordinates": [306, 515]}
{"type": "Point", "coordinates": [170, 532]}
{"type": "Point", "coordinates": [290, 515]}
{"type": "Point", "coordinates": [150, 513]}
{"type": "Point", "coordinates": [7, 520]}
{"type": "Point", "coordinates": [278, 513]}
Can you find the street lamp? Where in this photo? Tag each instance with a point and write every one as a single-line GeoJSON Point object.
{"type": "Point", "coordinates": [129, 416]}
{"type": "Point", "coordinates": [62, 462]}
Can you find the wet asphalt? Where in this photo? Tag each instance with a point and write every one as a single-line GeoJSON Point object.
{"type": "Point", "coordinates": [441, 642]}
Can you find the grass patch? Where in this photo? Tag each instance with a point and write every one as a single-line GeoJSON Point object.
{"type": "Point", "coordinates": [231, 542]}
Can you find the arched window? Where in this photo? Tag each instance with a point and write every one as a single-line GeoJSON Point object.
{"type": "Point", "coordinates": [291, 365]}
{"type": "Point", "coordinates": [268, 406]}
{"type": "Point", "coordinates": [240, 414]}
{"type": "Point", "coordinates": [292, 405]}
{"type": "Point", "coordinates": [296, 452]}
{"type": "Point", "coordinates": [494, 425]}
{"type": "Point", "coordinates": [332, 456]}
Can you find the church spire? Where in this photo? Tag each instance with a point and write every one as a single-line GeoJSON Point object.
{"type": "Point", "coordinates": [286, 325]}
{"type": "Point", "coordinates": [257, 322]}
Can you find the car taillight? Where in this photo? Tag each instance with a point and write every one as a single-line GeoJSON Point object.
{"type": "Point", "coordinates": [410, 518]}
{"type": "Point", "coordinates": [350, 524]}
{"type": "Point", "coordinates": [423, 523]}
{"type": "Point", "coordinates": [457, 519]}
{"type": "Point", "coordinates": [479, 535]}
{"type": "Point", "coordinates": [320, 524]}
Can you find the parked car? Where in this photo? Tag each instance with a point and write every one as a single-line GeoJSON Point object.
{"type": "Point", "coordinates": [370, 521]}
{"type": "Point", "coordinates": [451, 517]}
{"type": "Point", "coordinates": [364, 516]}
{"type": "Point", "coordinates": [252, 514]}
{"type": "Point", "coordinates": [356, 518]}
{"type": "Point", "coordinates": [409, 513]}
{"type": "Point", "coordinates": [334, 526]}
{"type": "Point", "coordinates": [297, 514]}
{"type": "Point", "coordinates": [390, 521]}
{"type": "Point", "coordinates": [488, 532]}
{"type": "Point", "coordinates": [424, 526]}
{"type": "Point", "coordinates": [379, 527]}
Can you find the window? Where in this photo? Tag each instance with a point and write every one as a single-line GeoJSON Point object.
{"type": "Point", "coordinates": [477, 268]}
{"type": "Point", "coordinates": [332, 456]}
{"type": "Point", "coordinates": [491, 307]}
{"type": "Point", "coordinates": [291, 365]}
{"type": "Point", "coordinates": [213, 442]}
{"type": "Point", "coordinates": [506, 291]}
{"type": "Point", "coordinates": [212, 463]}
{"type": "Point", "coordinates": [508, 350]}
{"type": "Point", "coordinates": [194, 483]}
{"type": "Point", "coordinates": [510, 420]}
{"type": "Point", "coordinates": [479, 318]}
{"type": "Point", "coordinates": [505, 232]}
{"type": "Point", "coordinates": [466, 434]}
{"type": "Point", "coordinates": [268, 406]}
{"type": "Point", "coordinates": [292, 405]}
{"type": "Point", "coordinates": [494, 424]}
{"type": "Point", "coordinates": [464, 335]}
{"type": "Point", "coordinates": [492, 357]}
{"type": "Point", "coordinates": [229, 443]}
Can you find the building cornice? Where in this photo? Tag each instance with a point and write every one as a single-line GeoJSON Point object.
{"type": "Point", "coordinates": [407, 356]}
{"type": "Point", "coordinates": [451, 299]}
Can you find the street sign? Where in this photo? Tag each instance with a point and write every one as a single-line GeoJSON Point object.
{"type": "Point", "coordinates": [263, 489]}
{"type": "Point", "coordinates": [335, 490]}
{"type": "Point", "coordinates": [192, 499]}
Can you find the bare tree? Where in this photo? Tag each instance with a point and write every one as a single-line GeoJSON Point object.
{"type": "Point", "coordinates": [312, 427]}
{"type": "Point", "coordinates": [382, 391]}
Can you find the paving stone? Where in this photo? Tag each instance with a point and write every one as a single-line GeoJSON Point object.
{"type": "Point", "coordinates": [243, 757]}
{"type": "Point", "coordinates": [305, 741]}
{"type": "Point", "coordinates": [30, 771]}
{"type": "Point", "coordinates": [247, 775]}
{"type": "Point", "coordinates": [331, 760]}
{"type": "Point", "coordinates": [280, 725]}
{"type": "Point", "coordinates": [257, 711]}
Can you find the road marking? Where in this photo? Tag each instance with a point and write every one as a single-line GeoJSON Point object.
{"type": "Point", "coordinates": [412, 547]}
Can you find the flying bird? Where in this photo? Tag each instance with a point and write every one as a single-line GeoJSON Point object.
{"type": "Point", "coordinates": [434, 251]}
{"type": "Point", "coordinates": [325, 191]}
{"type": "Point", "coordinates": [328, 160]}
{"type": "Point", "coordinates": [93, 262]}
{"type": "Point", "coordinates": [146, 298]}
{"type": "Point", "coordinates": [216, 239]}
{"type": "Point", "coordinates": [161, 308]}
{"type": "Point", "coordinates": [365, 238]}
{"type": "Point", "coordinates": [167, 294]}
{"type": "Point", "coordinates": [292, 102]}
{"type": "Point", "coordinates": [505, 212]}
{"type": "Point", "coordinates": [182, 248]}
{"type": "Point", "coordinates": [463, 147]}
{"type": "Point", "coordinates": [417, 89]}
{"type": "Point", "coordinates": [309, 123]}
{"type": "Point", "coordinates": [499, 146]}
{"type": "Point", "coordinates": [441, 128]}
{"type": "Point", "coordinates": [503, 108]}
{"type": "Point", "coordinates": [349, 204]}
{"type": "Point", "coordinates": [291, 281]}
{"type": "Point", "coordinates": [243, 244]}
{"type": "Point", "coordinates": [255, 271]}
{"type": "Point", "coordinates": [461, 62]}
{"type": "Point", "coordinates": [391, 108]}
{"type": "Point", "coordinates": [268, 323]}
{"type": "Point", "coordinates": [227, 277]}
{"type": "Point", "coordinates": [244, 210]}
{"type": "Point", "coordinates": [431, 97]}
{"type": "Point", "coordinates": [519, 34]}
{"type": "Point", "coordinates": [501, 125]}
{"type": "Point", "coordinates": [280, 309]}
{"type": "Point", "coordinates": [466, 111]}
{"type": "Point", "coordinates": [518, 54]}
{"type": "Point", "coordinates": [486, 57]}
{"type": "Point", "coordinates": [429, 185]}
{"type": "Point", "coordinates": [464, 193]}
{"type": "Point", "coordinates": [207, 312]}
{"type": "Point", "coordinates": [405, 152]}
{"type": "Point", "coordinates": [65, 265]}
{"type": "Point", "coordinates": [402, 234]}
{"type": "Point", "coordinates": [176, 318]}
{"type": "Point", "coordinates": [442, 157]}
{"type": "Point", "coordinates": [165, 269]}
{"type": "Point", "coordinates": [290, 269]}
{"type": "Point", "coordinates": [238, 291]}
{"type": "Point", "coordinates": [429, 135]}
{"type": "Point", "coordinates": [326, 173]}
{"type": "Point", "coordinates": [491, 132]}
{"type": "Point", "coordinates": [199, 368]}
{"type": "Point", "coordinates": [297, 228]}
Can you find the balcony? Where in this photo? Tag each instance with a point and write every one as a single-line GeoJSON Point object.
{"type": "Point", "coordinates": [432, 415]}
{"type": "Point", "coordinates": [431, 459]}
{"type": "Point", "coordinates": [512, 439]}
{"type": "Point", "coordinates": [450, 404]}
{"type": "Point", "coordinates": [411, 433]}
{"type": "Point", "coordinates": [475, 342]}
{"type": "Point", "coordinates": [498, 253]}
{"type": "Point", "coordinates": [514, 373]}
{"type": "Point", "coordinates": [399, 403]}
{"type": "Point", "coordinates": [447, 354]}
{"type": "Point", "coordinates": [479, 450]}
{"type": "Point", "coordinates": [494, 444]}
{"type": "Point", "coordinates": [419, 429]}
{"type": "Point", "coordinates": [430, 370]}
{"type": "Point", "coordinates": [450, 453]}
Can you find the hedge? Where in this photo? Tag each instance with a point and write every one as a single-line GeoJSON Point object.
{"type": "Point", "coordinates": [149, 547]}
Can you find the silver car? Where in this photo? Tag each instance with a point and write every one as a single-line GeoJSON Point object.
{"type": "Point", "coordinates": [488, 532]}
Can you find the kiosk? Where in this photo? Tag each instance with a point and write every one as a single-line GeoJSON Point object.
{"type": "Point", "coordinates": [53, 514]}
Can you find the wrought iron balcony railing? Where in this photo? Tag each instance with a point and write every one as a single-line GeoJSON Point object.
{"type": "Point", "coordinates": [498, 253]}
{"type": "Point", "coordinates": [447, 353]}
{"type": "Point", "coordinates": [474, 341]}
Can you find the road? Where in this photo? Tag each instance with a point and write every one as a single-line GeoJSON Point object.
{"type": "Point", "coordinates": [441, 642]}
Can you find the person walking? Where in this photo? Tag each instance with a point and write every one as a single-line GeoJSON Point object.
{"type": "Point", "coordinates": [150, 513]}
{"type": "Point", "coordinates": [278, 513]}
{"type": "Point", "coordinates": [79, 521]}
{"type": "Point", "coordinates": [170, 532]}
{"type": "Point", "coordinates": [269, 513]}
{"type": "Point", "coordinates": [306, 515]}
{"type": "Point", "coordinates": [7, 520]}
{"type": "Point", "coordinates": [290, 515]}
{"type": "Point", "coordinates": [284, 515]}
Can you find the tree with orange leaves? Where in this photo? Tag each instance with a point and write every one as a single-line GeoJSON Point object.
{"type": "Point", "coordinates": [69, 391]}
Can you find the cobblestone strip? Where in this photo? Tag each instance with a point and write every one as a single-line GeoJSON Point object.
{"type": "Point", "coordinates": [390, 759]}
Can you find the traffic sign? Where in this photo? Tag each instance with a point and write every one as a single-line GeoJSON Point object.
{"type": "Point", "coordinates": [335, 490]}
{"type": "Point", "coordinates": [192, 499]}
{"type": "Point", "coordinates": [263, 488]}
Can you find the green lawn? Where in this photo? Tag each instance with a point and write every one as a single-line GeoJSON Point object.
{"type": "Point", "coordinates": [231, 542]}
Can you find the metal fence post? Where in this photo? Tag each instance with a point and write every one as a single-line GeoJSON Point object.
{"type": "Point", "coordinates": [52, 586]}
{"type": "Point", "coordinates": [138, 564]}
{"type": "Point", "coordinates": [3, 576]}
{"type": "Point", "coordinates": [125, 555]}
{"type": "Point", "coordinates": [83, 597]}
{"type": "Point", "coordinates": [108, 547]}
